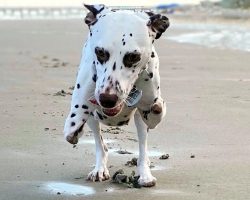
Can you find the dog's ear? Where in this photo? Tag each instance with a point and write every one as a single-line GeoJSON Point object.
{"type": "Point", "coordinates": [158, 24]}
{"type": "Point", "coordinates": [90, 18]}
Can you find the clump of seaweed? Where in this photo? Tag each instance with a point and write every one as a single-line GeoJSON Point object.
{"type": "Point", "coordinates": [131, 181]}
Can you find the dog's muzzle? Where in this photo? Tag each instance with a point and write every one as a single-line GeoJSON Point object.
{"type": "Point", "coordinates": [108, 100]}
{"type": "Point", "coordinates": [109, 105]}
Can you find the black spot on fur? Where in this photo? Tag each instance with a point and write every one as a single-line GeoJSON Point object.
{"type": "Point", "coordinates": [146, 79]}
{"type": "Point", "coordinates": [94, 78]}
{"type": "Point", "coordinates": [152, 54]}
{"type": "Point", "coordinates": [104, 117]}
{"type": "Point", "coordinates": [73, 123]}
{"type": "Point", "coordinates": [79, 130]}
{"type": "Point", "coordinates": [90, 34]}
{"type": "Point", "coordinates": [114, 66]}
{"type": "Point", "coordinates": [100, 116]}
{"type": "Point", "coordinates": [102, 55]}
{"type": "Point", "coordinates": [133, 71]}
{"type": "Point", "coordinates": [78, 85]}
{"type": "Point", "coordinates": [124, 43]}
{"type": "Point", "coordinates": [105, 70]}
{"type": "Point", "coordinates": [117, 86]}
{"type": "Point", "coordinates": [86, 112]}
{"type": "Point", "coordinates": [76, 106]}
{"type": "Point", "coordinates": [151, 75]}
{"type": "Point", "coordinates": [131, 58]}
{"type": "Point", "coordinates": [145, 114]}
{"type": "Point", "coordinates": [93, 62]}
{"type": "Point", "coordinates": [149, 13]}
{"type": "Point", "coordinates": [158, 87]}
{"type": "Point", "coordinates": [85, 107]}
{"type": "Point", "coordinates": [155, 99]}
{"type": "Point", "coordinates": [73, 115]}
{"type": "Point", "coordinates": [76, 133]}
{"type": "Point", "coordinates": [131, 34]}
{"type": "Point", "coordinates": [121, 123]}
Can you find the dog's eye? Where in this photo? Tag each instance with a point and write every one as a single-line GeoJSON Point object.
{"type": "Point", "coordinates": [130, 59]}
{"type": "Point", "coordinates": [102, 55]}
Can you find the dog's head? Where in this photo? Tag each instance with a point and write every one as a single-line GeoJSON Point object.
{"type": "Point", "coordinates": [121, 41]}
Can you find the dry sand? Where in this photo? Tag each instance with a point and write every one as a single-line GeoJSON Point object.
{"type": "Point", "coordinates": [208, 100]}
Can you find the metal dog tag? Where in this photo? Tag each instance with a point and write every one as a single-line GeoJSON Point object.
{"type": "Point", "coordinates": [133, 97]}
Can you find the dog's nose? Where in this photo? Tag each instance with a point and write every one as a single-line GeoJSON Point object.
{"type": "Point", "coordinates": [108, 100]}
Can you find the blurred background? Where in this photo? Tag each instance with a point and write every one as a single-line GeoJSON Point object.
{"type": "Point", "coordinates": [216, 14]}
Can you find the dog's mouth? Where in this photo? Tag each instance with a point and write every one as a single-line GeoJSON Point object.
{"type": "Point", "coordinates": [111, 112]}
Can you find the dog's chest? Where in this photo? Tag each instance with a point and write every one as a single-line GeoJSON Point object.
{"type": "Point", "coordinates": [120, 119]}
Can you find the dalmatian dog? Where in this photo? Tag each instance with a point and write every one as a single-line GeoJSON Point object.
{"type": "Point", "coordinates": [118, 78]}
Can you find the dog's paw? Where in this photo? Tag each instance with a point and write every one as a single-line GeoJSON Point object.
{"type": "Point", "coordinates": [98, 174]}
{"type": "Point", "coordinates": [147, 180]}
{"type": "Point", "coordinates": [73, 129]}
{"type": "Point", "coordinates": [156, 108]}
{"type": "Point", "coordinates": [73, 137]}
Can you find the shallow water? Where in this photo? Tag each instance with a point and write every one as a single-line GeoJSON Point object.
{"type": "Point", "coordinates": [151, 153]}
{"type": "Point", "coordinates": [92, 141]}
{"type": "Point", "coordinates": [69, 189]}
{"type": "Point", "coordinates": [214, 36]}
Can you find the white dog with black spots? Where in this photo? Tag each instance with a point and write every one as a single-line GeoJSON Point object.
{"type": "Point", "coordinates": [118, 59]}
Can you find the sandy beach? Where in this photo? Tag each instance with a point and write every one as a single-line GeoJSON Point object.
{"type": "Point", "coordinates": [208, 116]}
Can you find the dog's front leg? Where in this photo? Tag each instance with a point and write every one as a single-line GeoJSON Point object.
{"type": "Point", "coordinates": [151, 106]}
{"type": "Point", "coordinates": [81, 108]}
{"type": "Point", "coordinates": [146, 179]}
{"type": "Point", "coordinates": [100, 172]}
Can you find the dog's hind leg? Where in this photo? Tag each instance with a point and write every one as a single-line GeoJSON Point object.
{"type": "Point", "coordinates": [146, 179]}
{"type": "Point", "coordinates": [81, 108]}
{"type": "Point", "coordinates": [100, 172]}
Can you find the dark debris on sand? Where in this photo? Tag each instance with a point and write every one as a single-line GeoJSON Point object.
{"type": "Point", "coordinates": [123, 152]}
{"type": "Point", "coordinates": [46, 62]}
{"type": "Point", "coordinates": [192, 156]}
{"type": "Point", "coordinates": [62, 93]}
{"type": "Point", "coordinates": [164, 157]}
{"type": "Point", "coordinates": [113, 130]}
{"type": "Point", "coordinates": [132, 162]}
{"type": "Point", "coordinates": [131, 181]}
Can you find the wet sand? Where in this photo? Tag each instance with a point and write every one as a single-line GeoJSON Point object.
{"type": "Point", "coordinates": [208, 112]}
